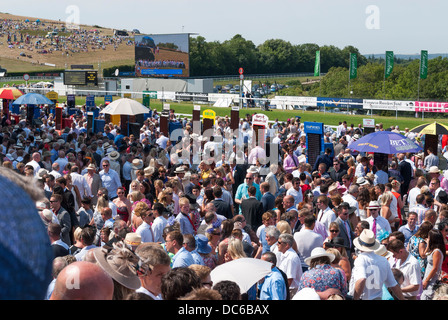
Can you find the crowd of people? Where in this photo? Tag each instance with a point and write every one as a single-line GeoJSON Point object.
{"type": "Point", "coordinates": [137, 220]}
{"type": "Point", "coordinates": [31, 37]}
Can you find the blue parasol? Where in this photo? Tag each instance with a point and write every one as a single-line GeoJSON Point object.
{"type": "Point", "coordinates": [387, 142]}
{"type": "Point", "coordinates": [32, 99]}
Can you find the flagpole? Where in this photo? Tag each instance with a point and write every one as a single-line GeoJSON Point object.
{"type": "Point", "coordinates": [384, 79]}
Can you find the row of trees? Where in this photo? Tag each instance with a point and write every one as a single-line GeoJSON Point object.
{"type": "Point", "coordinates": [403, 84]}
{"type": "Point", "coordinates": [272, 56]}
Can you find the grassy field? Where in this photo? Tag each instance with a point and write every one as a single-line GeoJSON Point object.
{"type": "Point", "coordinates": [327, 118]}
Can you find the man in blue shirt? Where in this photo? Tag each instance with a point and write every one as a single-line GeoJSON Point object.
{"type": "Point", "coordinates": [174, 244]}
{"type": "Point", "coordinates": [242, 193]}
{"type": "Point", "coordinates": [110, 179]}
{"type": "Point", "coordinates": [190, 245]}
{"type": "Point", "coordinates": [274, 285]}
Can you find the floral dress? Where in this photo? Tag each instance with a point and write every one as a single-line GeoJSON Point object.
{"type": "Point", "coordinates": [323, 277]}
{"type": "Point", "coordinates": [414, 242]}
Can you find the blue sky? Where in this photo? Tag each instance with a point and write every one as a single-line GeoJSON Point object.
{"type": "Point", "coordinates": [373, 26]}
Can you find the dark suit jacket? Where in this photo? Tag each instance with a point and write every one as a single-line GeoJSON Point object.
{"type": "Point", "coordinates": [252, 210]}
{"type": "Point", "coordinates": [336, 176]}
{"type": "Point", "coordinates": [223, 208]}
{"type": "Point", "coordinates": [348, 242]}
{"type": "Point", "coordinates": [268, 201]}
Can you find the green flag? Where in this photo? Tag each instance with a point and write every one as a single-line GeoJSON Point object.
{"type": "Point", "coordinates": [353, 66]}
{"type": "Point", "coordinates": [317, 64]}
{"type": "Point", "coordinates": [389, 63]}
{"type": "Point", "coordinates": [424, 64]}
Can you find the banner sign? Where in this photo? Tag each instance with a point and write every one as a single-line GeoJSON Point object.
{"type": "Point", "coordinates": [340, 103]}
{"type": "Point", "coordinates": [353, 66]}
{"type": "Point", "coordinates": [425, 106]}
{"type": "Point", "coordinates": [389, 63]}
{"type": "Point", "coordinates": [424, 64]}
{"type": "Point", "coordinates": [317, 64]}
{"type": "Point", "coordinates": [390, 105]}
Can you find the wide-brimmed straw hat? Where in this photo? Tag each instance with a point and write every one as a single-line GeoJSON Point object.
{"type": "Point", "coordinates": [382, 251]}
{"type": "Point", "coordinates": [317, 253]}
{"type": "Point", "coordinates": [113, 155]}
{"type": "Point", "coordinates": [366, 241]}
{"type": "Point", "coordinates": [373, 205]}
{"type": "Point", "coordinates": [137, 164]}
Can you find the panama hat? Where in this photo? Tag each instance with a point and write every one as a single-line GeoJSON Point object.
{"type": "Point", "coordinates": [317, 253]}
{"type": "Point", "coordinates": [91, 167]}
{"type": "Point", "coordinates": [382, 251]}
{"type": "Point", "coordinates": [133, 239]}
{"type": "Point", "coordinates": [149, 171]}
{"type": "Point", "coordinates": [113, 155]}
{"type": "Point", "coordinates": [373, 205]}
{"type": "Point", "coordinates": [137, 164]}
{"type": "Point", "coordinates": [362, 181]}
{"type": "Point", "coordinates": [366, 241]}
{"type": "Point", "coordinates": [117, 263]}
{"type": "Point", "coordinates": [179, 169]}
{"type": "Point", "coordinates": [434, 169]}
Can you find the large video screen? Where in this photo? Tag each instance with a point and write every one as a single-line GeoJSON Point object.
{"type": "Point", "coordinates": [162, 55]}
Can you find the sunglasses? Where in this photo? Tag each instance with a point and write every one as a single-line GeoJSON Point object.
{"type": "Point", "coordinates": [334, 231]}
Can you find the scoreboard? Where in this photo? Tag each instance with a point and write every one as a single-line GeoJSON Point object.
{"type": "Point", "coordinates": [81, 77]}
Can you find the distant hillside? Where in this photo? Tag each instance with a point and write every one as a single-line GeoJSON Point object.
{"type": "Point", "coordinates": [25, 46]}
{"type": "Point", "coordinates": [407, 56]}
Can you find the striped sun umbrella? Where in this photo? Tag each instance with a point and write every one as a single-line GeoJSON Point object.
{"type": "Point", "coordinates": [10, 93]}
{"type": "Point", "coordinates": [434, 128]}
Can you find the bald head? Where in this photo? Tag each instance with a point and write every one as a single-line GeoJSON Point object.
{"type": "Point", "coordinates": [83, 280]}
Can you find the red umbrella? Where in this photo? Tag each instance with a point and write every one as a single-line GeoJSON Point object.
{"type": "Point", "coordinates": [10, 93]}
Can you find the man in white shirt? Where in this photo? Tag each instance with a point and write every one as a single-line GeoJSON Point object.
{"type": "Point", "coordinates": [362, 167]}
{"type": "Point", "coordinates": [350, 198]}
{"type": "Point", "coordinates": [155, 264]}
{"type": "Point", "coordinates": [289, 261]}
{"type": "Point", "coordinates": [81, 182]}
{"type": "Point", "coordinates": [409, 266]}
{"type": "Point", "coordinates": [414, 192]}
{"type": "Point", "coordinates": [162, 141]}
{"type": "Point", "coordinates": [325, 215]}
{"type": "Point", "coordinates": [159, 222]}
{"type": "Point", "coordinates": [371, 271]}
{"type": "Point", "coordinates": [377, 223]}
{"type": "Point", "coordinates": [35, 162]}
{"type": "Point", "coordinates": [295, 191]}
{"type": "Point", "coordinates": [145, 230]}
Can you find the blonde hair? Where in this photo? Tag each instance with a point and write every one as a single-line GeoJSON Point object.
{"type": "Point", "coordinates": [136, 196]}
{"type": "Point", "coordinates": [284, 227]}
{"type": "Point", "coordinates": [202, 271]}
{"type": "Point", "coordinates": [235, 248]}
{"type": "Point", "coordinates": [140, 209]}
{"type": "Point", "coordinates": [336, 253]}
{"type": "Point", "coordinates": [387, 196]}
{"type": "Point", "coordinates": [162, 195]}
{"type": "Point", "coordinates": [184, 201]}
{"type": "Point", "coordinates": [77, 233]}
